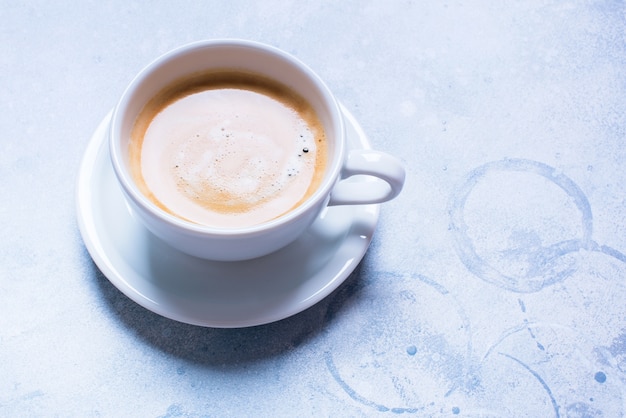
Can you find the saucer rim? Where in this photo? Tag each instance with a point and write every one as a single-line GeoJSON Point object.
{"type": "Point", "coordinates": [92, 241]}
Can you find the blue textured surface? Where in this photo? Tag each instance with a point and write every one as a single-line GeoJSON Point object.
{"type": "Point", "coordinates": [495, 284]}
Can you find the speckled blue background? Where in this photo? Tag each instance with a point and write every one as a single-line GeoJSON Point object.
{"type": "Point", "coordinates": [494, 286]}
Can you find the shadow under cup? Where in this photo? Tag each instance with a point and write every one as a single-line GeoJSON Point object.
{"type": "Point", "coordinates": [226, 244]}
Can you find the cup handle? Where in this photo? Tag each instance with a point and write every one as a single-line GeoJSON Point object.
{"type": "Point", "coordinates": [383, 179]}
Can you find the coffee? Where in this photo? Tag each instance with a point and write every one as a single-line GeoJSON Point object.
{"type": "Point", "coordinates": [227, 149]}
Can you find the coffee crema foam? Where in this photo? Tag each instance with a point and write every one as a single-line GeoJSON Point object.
{"type": "Point", "coordinates": [228, 151]}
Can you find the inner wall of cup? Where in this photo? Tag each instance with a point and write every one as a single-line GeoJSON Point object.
{"type": "Point", "coordinates": [183, 62]}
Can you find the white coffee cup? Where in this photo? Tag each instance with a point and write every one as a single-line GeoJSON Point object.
{"type": "Point", "coordinates": [239, 243]}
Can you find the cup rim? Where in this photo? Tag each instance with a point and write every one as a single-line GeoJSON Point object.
{"type": "Point", "coordinates": [321, 194]}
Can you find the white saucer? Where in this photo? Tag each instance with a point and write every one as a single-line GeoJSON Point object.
{"type": "Point", "coordinates": [209, 293]}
